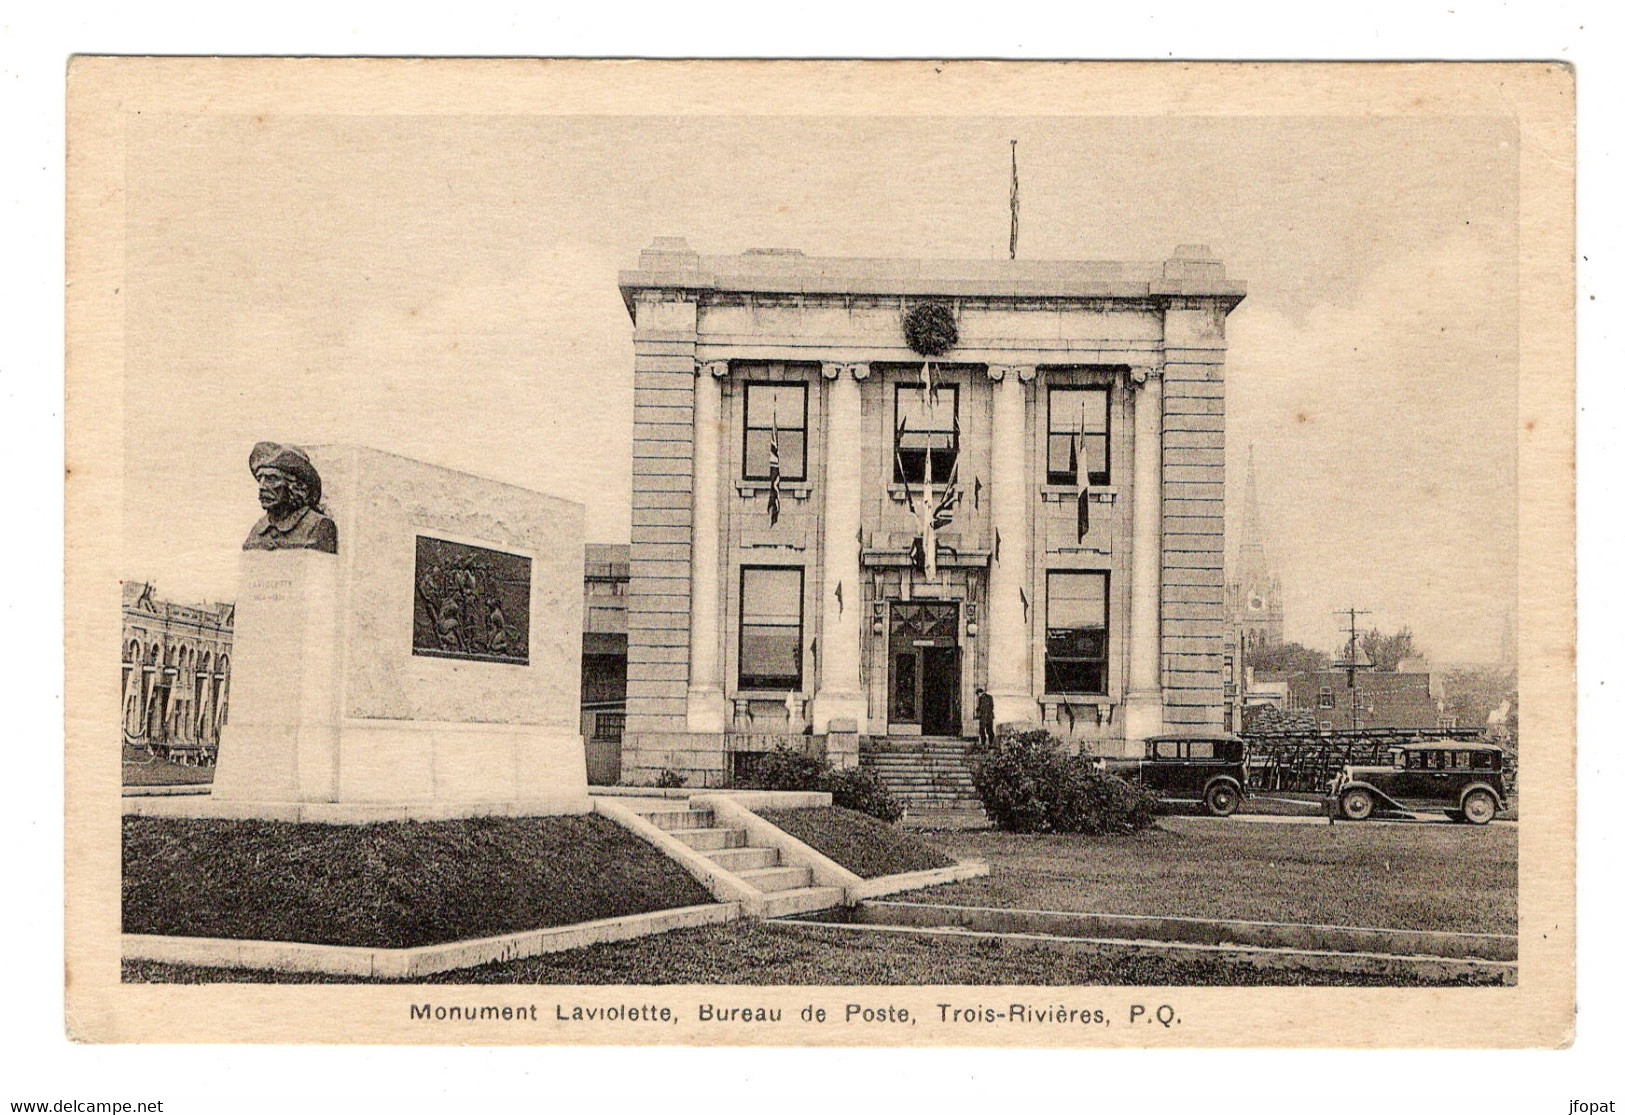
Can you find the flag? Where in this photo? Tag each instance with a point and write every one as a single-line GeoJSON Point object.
{"type": "Point", "coordinates": [928, 380]}
{"type": "Point", "coordinates": [1081, 479]}
{"type": "Point", "coordinates": [839, 602]}
{"type": "Point", "coordinates": [1024, 604]}
{"type": "Point", "coordinates": [926, 512]}
{"type": "Point", "coordinates": [902, 473]}
{"type": "Point", "coordinates": [1015, 200]}
{"type": "Point", "coordinates": [943, 514]}
{"type": "Point", "coordinates": [978, 493]}
{"type": "Point", "coordinates": [773, 474]}
{"type": "Point", "coordinates": [995, 543]}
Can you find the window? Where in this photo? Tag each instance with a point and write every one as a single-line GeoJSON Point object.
{"type": "Point", "coordinates": [784, 405]}
{"type": "Point", "coordinates": [1201, 749]}
{"type": "Point", "coordinates": [1075, 636]}
{"type": "Point", "coordinates": [1167, 749]}
{"type": "Point", "coordinates": [770, 628]}
{"type": "Point", "coordinates": [1079, 438]}
{"type": "Point", "coordinates": [925, 434]}
{"type": "Point", "coordinates": [1326, 698]}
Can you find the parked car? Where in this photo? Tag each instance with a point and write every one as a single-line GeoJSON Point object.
{"type": "Point", "coordinates": [1208, 769]}
{"type": "Point", "coordinates": [1461, 779]}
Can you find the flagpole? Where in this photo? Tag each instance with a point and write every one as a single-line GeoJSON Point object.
{"type": "Point", "coordinates": [1015, 200]}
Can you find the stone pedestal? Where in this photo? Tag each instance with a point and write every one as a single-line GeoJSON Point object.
{"type": "Point", "coordinates": [338, 697]}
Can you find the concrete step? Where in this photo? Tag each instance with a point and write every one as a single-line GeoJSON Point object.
{"type": "Point", "coordinates": [803, 900]}
{"type": "Point", "coordinates": [675, 820]}
{"type": "Point", "coordinates": [709, 840]}
{"type": "Point", "coordinates": [778, 878]}
{"type": "Point", "coordinates": [744, 859]}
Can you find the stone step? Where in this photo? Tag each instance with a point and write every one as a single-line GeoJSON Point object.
{"type": "Point", "coordinates": [709, 840]}
{"type": "Point", "coordinates": [778, 878]}
{"type": "Point", "coordinates": [804, 900]}
{"type": "Point", "coordinates": [744, 859]}
{"type": "Point", "coordinates": [676, 820]}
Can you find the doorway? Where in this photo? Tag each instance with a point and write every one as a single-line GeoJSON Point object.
{"type": "Point", "coordinates": [925, 667]}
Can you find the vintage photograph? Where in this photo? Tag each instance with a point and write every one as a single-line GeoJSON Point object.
{"type": "Point", "coordinates": [967, 563]}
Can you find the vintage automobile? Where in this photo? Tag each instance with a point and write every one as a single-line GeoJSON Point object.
{"type": "Point", "coordinates": [1459, 778]}
{"type": "Point", "coordinates": [1208, 769]}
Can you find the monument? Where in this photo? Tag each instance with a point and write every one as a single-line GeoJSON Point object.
{"type": "Point", "coordinates": [407, 645]}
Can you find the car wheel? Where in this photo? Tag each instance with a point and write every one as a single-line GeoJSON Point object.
{"type": "Point", "coordinates": [1479, 808]}
{"type": "Point", "coordinates": [1221, 800]}
{"type": "Point", "coordinates": [1357, 805]}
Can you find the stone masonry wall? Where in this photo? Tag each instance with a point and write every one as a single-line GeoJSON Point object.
{"type": "Point", "coordinates": [662, 517]}
{"type": "Point", "coordinates": [1193, 516]}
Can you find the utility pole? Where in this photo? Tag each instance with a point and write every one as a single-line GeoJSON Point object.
{"type": "Point", "coordinates": [1352, 662]}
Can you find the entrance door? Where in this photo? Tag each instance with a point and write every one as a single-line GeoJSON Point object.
{"type": "Point", "coordinates": [939, 691]}
{"type": "Point", "coordinates": [924, 659]}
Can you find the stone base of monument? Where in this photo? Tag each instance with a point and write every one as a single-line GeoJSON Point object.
{"type": "Point", "coordinates": [429, 669]}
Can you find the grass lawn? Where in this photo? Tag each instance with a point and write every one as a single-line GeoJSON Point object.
{"type": "Point", "coordinates": [858, 842]}
{"type": "Point", "coordinates": [1448, 877]}
{"type": "Point", "coordinates": [142, 769]}
{"type": "Point", "coordinates": [764, 954]}
{"type": "Point", "coordinates": [392, 885]}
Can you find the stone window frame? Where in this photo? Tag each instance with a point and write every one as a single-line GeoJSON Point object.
{"type": "Point", "coordinates": [785, 474]}
{"type": "Point", "coordinates": [1093, 479]}
{"type": "Point", "coordinates": [1328, 699]}
{"type": "Point", "coordinates": [1103, 660]}
{"type": "Point", "coordinates": [898, 477]}
{"type": "Point", "coordinates": [747, 683]}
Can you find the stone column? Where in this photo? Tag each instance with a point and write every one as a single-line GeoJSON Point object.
{"type": "Point", "coordinates": [705, 704]}
{"type": "Point", "coordinates": [840, 695]}
{"type": "Point", "coordinates": [1009, 626]}
{"type": "Point", "coordinates": [1143, 701]}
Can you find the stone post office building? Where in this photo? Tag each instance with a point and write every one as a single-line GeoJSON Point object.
{"type": "Point", "coordinates": [1067, 380]}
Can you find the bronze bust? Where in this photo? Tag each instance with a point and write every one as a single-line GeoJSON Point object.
{"type": "Point", "coordinates": [291, 494]}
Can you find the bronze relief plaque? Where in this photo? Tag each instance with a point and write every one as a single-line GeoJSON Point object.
{"type": "Point", "coordinates": [470, 602]}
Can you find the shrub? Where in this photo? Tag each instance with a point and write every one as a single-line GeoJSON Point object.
{"type": "Point", "coordinates": [1028, 783]}
{"type": "Point", "coordinates": [860, 790]}
{"type": "Point", "coordinates": [863, 791]}
{"type": "Point", "coordinates": [670, 780]}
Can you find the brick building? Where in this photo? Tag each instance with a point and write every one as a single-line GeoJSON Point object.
{"type": "Point", "coordinates": [1378, 699]}
{"type": "Point", "coordinates": [787, 435]}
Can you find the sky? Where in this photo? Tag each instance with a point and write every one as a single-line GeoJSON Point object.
{"type": "Point", "coordinates": [445, 288]}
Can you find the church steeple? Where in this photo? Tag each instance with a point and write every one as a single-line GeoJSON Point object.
{"type": "Point", "coordinates": [1255, 593]}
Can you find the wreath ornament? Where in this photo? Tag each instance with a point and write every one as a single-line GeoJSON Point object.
{"type": "Point", "coordinates": [930, 329]}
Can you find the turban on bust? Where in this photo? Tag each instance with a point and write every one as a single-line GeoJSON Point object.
{"type": "Point", "coordinates": [289, 459]}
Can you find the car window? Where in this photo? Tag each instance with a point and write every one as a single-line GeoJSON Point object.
{"type": "Point", "coordinates": [1441, 760]}
{"type": "Point", "coordinates": [1167, 749]}
{"type": "Point", "coordinates": [1202, 749]}
{"type": "Point", "coordinates": [1416, 760]}
{"type": "Point", "coordinates": [1483, 760]}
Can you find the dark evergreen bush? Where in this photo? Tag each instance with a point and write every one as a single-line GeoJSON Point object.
{"type": "Point", "coordinates": [786, 769]}
{"type": "Point", "coordinates": [1028, 783]}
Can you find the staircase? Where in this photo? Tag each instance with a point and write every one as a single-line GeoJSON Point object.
{"type": "Point", "coordinates": [929, 775]}
{"type": "Point", "coordinates": [785, 889]}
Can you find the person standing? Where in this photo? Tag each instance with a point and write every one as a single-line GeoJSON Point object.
{"type": "Point", "coordinates": [984, 716]}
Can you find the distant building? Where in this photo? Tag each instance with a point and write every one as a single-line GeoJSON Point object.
{"type": "Point", "coordinates": [603, 659]}
{"type": "Point", "coordinates": [1376, 700]}
{"type": "Point", "coordinates": [1253, 596]}
{"type": "Point", "coordinates": [176, 674]}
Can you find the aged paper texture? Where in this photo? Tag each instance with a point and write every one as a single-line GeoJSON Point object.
{"type": "Point", "coordinates": [854, 407]}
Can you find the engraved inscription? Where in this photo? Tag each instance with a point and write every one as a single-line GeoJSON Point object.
{"type": "Point", "coordinates": [470, 602]}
